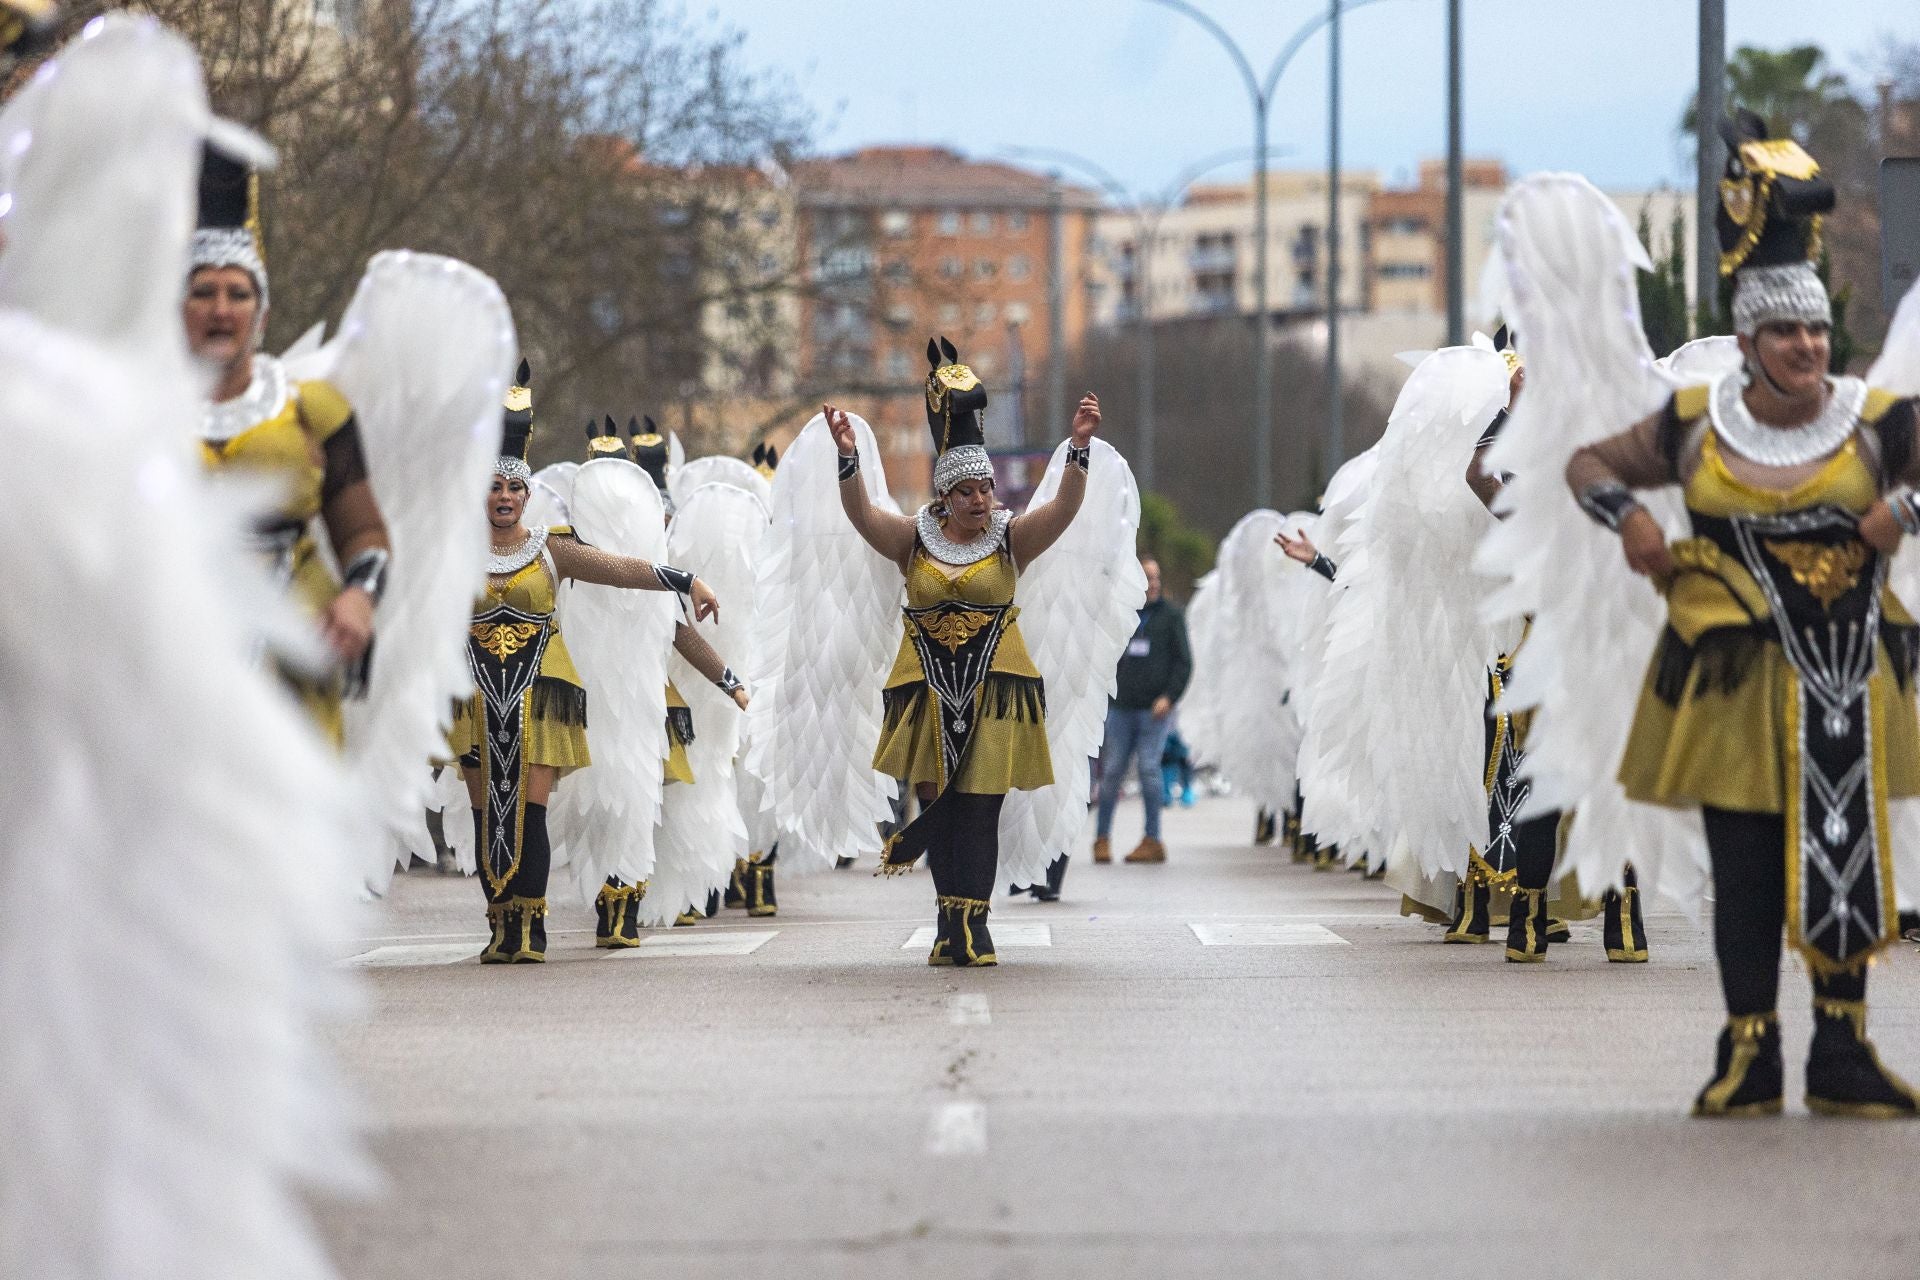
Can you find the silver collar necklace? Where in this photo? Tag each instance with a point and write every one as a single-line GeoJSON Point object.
{"type": "Point", "coordinates": [1769, 446]}
{"type": "Point", "coordinates": [498, 564]}
{"type": "Point", "coordinates": [947, 551]}
{"type": "Point", "coordinates": [265, 396]}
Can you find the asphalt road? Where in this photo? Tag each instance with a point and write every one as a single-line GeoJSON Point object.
{"type": "Point", "coordinates": [1337, 1096]}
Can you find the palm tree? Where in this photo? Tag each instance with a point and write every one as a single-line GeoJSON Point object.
{"type": "Point", "coordinates": [1792, 90]}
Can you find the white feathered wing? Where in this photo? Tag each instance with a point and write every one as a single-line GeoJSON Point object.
{"type": "Point", "coordinates": [827, 629]}
{"type": "Point", "coordinates": [718, 469]}
{"type": "Point", "coordinates": [1564, 275]}
{"type": "Point", "coordinates": [422, 355]}
{"type": "Point", "coordinates": [1079, 605]}
{"type": "Point", "coordinates": [715, 536]}
{"type": "Point", "coordinates": [603, 817]}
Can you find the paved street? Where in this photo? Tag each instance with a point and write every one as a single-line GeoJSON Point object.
{"type": "Point", "coordinates": [1325, 1091]}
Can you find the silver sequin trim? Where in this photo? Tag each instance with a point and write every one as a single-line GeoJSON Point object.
{"type": "Point", "coordinates": [520, 557]}
{"type": "Point", "coordinates": [1769, 446]}
{"type": "Point", "coordinates": [947, 551]}
{"type": "Point", "coordinates": [265, 397]}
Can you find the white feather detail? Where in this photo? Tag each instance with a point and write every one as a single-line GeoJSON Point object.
{"type": "Point", "coordinates": [603, 817]}
{"type": "Point", "coordinates": [422, 356]}
{"type": "Point", "coordinates": [550, 496]}
{"type": "Point", "coordinates": [1079, 605]}
{"type": "Point", "coordinates": [827, 629]}
{"type": "Point", "coordinates": [715, 536]}
{"type": "Point", "coordinates": [1568, 262]}
{"type": "Point", "coordinates": [718, 469]}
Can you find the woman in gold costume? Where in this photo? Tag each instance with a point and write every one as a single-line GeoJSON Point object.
{"type": "Point", "coordinates": [525, 727]}
{"type": "Point", "coordinates": [299, 434]}
{"type": "Point", "coordinates": [965, 707]}
{"type": "Point", "coordinates": [1779, 701]}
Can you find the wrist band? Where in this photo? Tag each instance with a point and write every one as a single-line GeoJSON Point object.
{"type": "Point", "coordinates": [1609, 504]}
{"type": "Point", "coordinates": [368, 571]}
{"type": "Point", "coordinates": [1906, 510]}
{"type": "Point", "coordinates": [1322, 566]}
{"type": "Point", "coordinates": [1079, 456]}
{"type": "Point", "coordinates": [729, 683]}
{"type": "Point", "coordinates": [849, 465]}
{"type": "Point", "coordinates": [678, 581]}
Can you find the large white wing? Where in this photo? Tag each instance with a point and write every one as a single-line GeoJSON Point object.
{"type": "Point", "coordinates": [1241, 678]}
{"type": "Point", "coordinates": [718, 469]}
{"type": "Point", "coordinates": [827, 628]}
{"type": "Point", "coordinates": [715, 536]}
{"type": "Point", "coordinates": [1079, 605]}
{"type": "Point", "coordinates": [1200, 710]}
{"type": "Point", "coordinates": [422, 355]}
{"type": "Point", "coordinates": [1566, 261]}
{"type": "Point", "coordinates": [550, 501]}
{"type": "Point", "coordinates": [1405, 639]}
{"type": "Point", "coordinates": [603, 817]}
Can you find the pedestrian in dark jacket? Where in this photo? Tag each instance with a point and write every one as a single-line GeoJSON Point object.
{"type": "Point", "coordinates": [1153, 674]}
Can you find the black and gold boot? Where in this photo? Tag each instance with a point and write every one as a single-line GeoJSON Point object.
{"type": "Point", "coordinates": [1265, 829]}
{"type": "Point", "coordinates": [496, 948]}
{"type": "Point", "coordinates": [1748, 1078]}
{"type": "Point", "coordinates": [736, 897]}
{"type": "Point", "coordinates": [760, 895]}
{"type": "Point", "coordinates": [523, 932]}
{"type": "Point", "coordinates": [942, 953]}
{"type": "Point", "coordinates": [616, 914]}
{"type": "Point", "coordinates": [1844, 1073]}
{"type": "Point", "coordinates": [969, 944]}
{"type": "Point", "coordinates": [1527, 926]}
{"type": "Point", "coordinates": [1624, 927]}
{"type": "Point", "coordinates": [1472, 908]}
{"type": "Point", "coordinates": [688, 918]}
{"type": "Point", "coordinates": [1558, 930]}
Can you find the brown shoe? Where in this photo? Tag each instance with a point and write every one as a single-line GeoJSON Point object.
{"type": "Point", "coordinates": [1148, 850]}
{"type": "Point", "coordinates": [1102, 851]}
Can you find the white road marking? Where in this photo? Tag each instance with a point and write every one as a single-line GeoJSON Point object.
{"type": "Point", "coordinates": [1009, 933]}
{"type": "Point", "coordinates": [969, 1010]}
{"type": "Point", "coordinates": [410, 957]}
{"type": "Point", "coordinates": [731, 943]}
{"type": "Point", "coordinates": [958, 1129]}
{"type": "Point", "coordinates": [1267, 935]}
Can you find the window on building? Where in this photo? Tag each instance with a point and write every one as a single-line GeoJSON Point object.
{"type": "Point", "coordinates": [1406, 226]}
{"type": "Point", "coordinates": [949, 313]}
{"type": "Point", "coordinates": [1405, 271]}
{"type": "Point", "coordinates": [983, 315]}
{"type": "Point", "coordinates": [1017, 221]}
{"type": "Point", "coordinates": [949, 222]}
{"type": "Point", "coordinates": [952, 268]}
{"type": "Point", "coordinates": [898, 271]}
{"type": "Point", "coordinates": [900, 315]}
{"type": "Point", "coordinates": [1018, 267]}
{"type": "Point", "coordinates": [899, 365]}
{"type": "Point", "coordinates": [1018, 313]}
{"type": "Point", "coordinates": [981, 223]}
{"type": "Point", "coordinates": [983, 363]}
{"type": "Point", "coordinates": [985, 268]}
{"type": "Point", "coordinates": [896, 223]}
{"type": "Point", "coordinates": [770, 217]}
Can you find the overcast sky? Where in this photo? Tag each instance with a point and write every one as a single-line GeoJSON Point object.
{"type": "Point", "coordinates": [1590, 85]}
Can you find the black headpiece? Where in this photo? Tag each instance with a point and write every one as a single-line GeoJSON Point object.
{"type": "Point", "coordinates": [516, 426]}
{"type": "Point", "coordinates": [650, 450]}
{"type": "Point", "coordinates": [766, 460]}
{"type": "Point", "coordinates": [603, 440]}
{"type": "Point", "coordinates": [27, 26]}
{"type": "Point", "coordinates": [1772, 199]}
{"type": "Point", "coordinates": [227, 231]}
{"type": "Point", "coordinates": [956, 415]}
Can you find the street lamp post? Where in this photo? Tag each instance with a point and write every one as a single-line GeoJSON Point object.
{"type": "Point", "coordinates": [1145, 213]}
{"type": "Point", "coordinates": [1709, 107]}
{"type": "Point", "coordinates": [1260, 95]}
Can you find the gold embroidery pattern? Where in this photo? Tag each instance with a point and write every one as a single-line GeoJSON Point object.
{"type": "Point", "coordinates": [954, 629]}
{"type": "Point", "coordinates": [1827, 572]}
{"type": "Point", "coordinates": [504, 639]}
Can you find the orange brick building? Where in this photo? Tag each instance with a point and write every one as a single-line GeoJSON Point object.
{"type": "Point", "coordinates": [899, 244]}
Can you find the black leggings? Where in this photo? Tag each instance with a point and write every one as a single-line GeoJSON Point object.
{"type": "Point", "coordinates": [1750, 912]}
{"type": "Point", "coordinates": [964, 855]}
{"type": "Point", "coordinates": [1536, 849]}
{"type": "Point", "coordinates": [529, 880]}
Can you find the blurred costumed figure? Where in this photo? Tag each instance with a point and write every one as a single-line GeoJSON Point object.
{"type": "Point", "coordinates": [1776, 707]}
{"type": "Point", "coordinates": [1001, 675]}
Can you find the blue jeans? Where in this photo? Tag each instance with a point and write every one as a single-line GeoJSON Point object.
{"type": "Point", "coordinates": [1139, 737]}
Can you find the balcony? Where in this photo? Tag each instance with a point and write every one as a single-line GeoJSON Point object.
{"type": "Point", "coordinates": [1210, 259]}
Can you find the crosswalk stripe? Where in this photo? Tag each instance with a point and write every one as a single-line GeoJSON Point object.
{"type": "Point", "coordinates": [1267, 935]}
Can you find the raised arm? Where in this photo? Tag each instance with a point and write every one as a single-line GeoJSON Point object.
{"type": "Point", "coordinates": [574, 559]}
{"type": "Point", "coordinates": [1303, 550]}
{"type": "Point", "coordinates": [1042, 526]}
{"type": "Point", "coordinates": [891, 535]}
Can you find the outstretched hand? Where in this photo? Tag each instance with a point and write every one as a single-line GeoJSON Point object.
{"type": "Point", "coordinates": [705, 603]}
{"type": "Point", "coordinates": [1086, 420]}
{"type": "Point", "coordinates": [842, 428]}
{"type": "Point", "coordinates": [1300, 548]}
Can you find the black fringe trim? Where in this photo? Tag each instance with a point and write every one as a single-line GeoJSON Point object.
{"type": "Point", "coordinates": [680, 724]}
{"type": "Point", "coordinates": [558, 702]}
{"type": "Point", "coordinates": [1720, 662]}
{"type": "Point", "coordinates": [1022, 699]}
{"type": "Point", "coordinates": [1903, 646]}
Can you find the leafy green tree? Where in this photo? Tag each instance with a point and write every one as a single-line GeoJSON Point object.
{"type": "Point", "coordinates": [1184, 552]}
{"type": "Point", "coordinates": [1663, 291]}
{"type": "Point", "coordinates": [1791, 89]}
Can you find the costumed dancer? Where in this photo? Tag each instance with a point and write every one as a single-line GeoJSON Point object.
{"type": "Point", "coordinates": [1777, 701]}
{"type": "Point", "coordinates": [525, 728]}
{"type": "Point", "coordinates": [177, 840]}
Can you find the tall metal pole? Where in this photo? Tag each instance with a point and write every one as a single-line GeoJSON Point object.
{"type": "Point", "coordinates": [1262, 345]}
{"type": "Point", "coordinates": [1146, 233]}
{"type": "Point", "coordinates": [1334, 445]}
{"type": "Point", "coordinates": [1709, 107]}
{"type": "Point", "coordinates": [1056, 307]}
{"type": "Point", "coordinates": [1456, 189]}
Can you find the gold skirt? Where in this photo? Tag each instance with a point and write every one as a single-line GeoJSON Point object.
{"type": "Point", "coordinates": [549, 740]}
{"type": "Point", "coordinates": [1727, 749]}
{"type": "Point", "coordinates": [1009, 753]}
